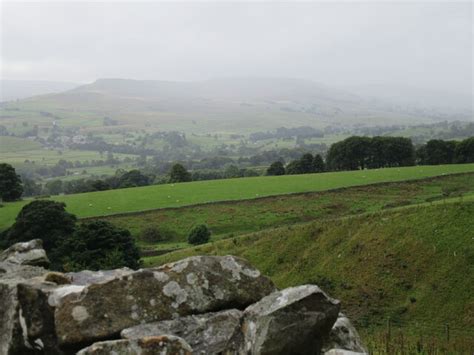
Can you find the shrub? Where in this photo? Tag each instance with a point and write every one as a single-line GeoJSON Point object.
{"type": "Point", "coordinates": [98, 245]}
{"type": "Point", "coordinates": [155, 235]}
{"type": "Point", "coordinates": [43, 219]}
{"type": "Point", "coordinates": [199, 235]}
{"type": "Point", "coordinates": [150, 235]}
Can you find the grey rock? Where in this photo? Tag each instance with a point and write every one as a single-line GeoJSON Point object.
{"type": "Point", "coordinates": [291, 321]}
{"type": "Point", "coordinates": [344, 336]}
{"type": "Point", "coordinates": [342, 352]}
{"type": "Point", "coordinates": [87, 277]}
{"type": "Point", "coordinates": [194, 285]}
{"type": "Point", "coordinates": [164, 344]}
{"type": "Point", "coordinates": [26, 253]}
{"type": "Point", "coordinates": [13, 335]}
{"type": "Point", "coordinates": [210, 333]}
{"type": "Point", "coordinates": [16, 272]}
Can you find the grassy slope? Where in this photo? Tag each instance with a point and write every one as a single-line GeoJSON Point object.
{"type": "Point", "coordinates": [175, 195]}
{"type": "Point", "coordinates": [238, 217]}
{"type": "Point", "coordinates": [411, 264]}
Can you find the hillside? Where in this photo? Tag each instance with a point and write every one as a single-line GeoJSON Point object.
{"type": "Point", "coordinates": [185, 194]}
{"type": "Point", "coordinates": [413, 265]}
{"type": "Point", "coordinates": [238, 105]}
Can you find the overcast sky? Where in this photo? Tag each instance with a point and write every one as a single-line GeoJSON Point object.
{"type": "Point", "coordinates": [423, 44]}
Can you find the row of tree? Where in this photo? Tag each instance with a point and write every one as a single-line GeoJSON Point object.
{"type": "Point", "coordinates": [307, 164]}
{"type": "Point", "coordinates": [356, 153]}
{"type": "Point", "coordinates": [437, 151]}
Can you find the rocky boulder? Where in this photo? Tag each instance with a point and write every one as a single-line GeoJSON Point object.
{"type": "Point", "coordinates": [292, 321]}
{"type": "Point", "coordinates": [210, 333]}
{"type": "Point", "coordinates": [203, 305]}
{"type": "Point", "coordinates": [342, 352]}
{"type": "Point", "coordinates": [164, 344]}
{"type": "Point", "coordinates": [15, 269]}
{"type": "Point", "coordinates": [87, 277]}
{"type": "Point", "coordinates": [194, 285]}
{"type": "Point", "coordinates": [27, 253]}
{"type": "Point", "coordinates": [344, 336]}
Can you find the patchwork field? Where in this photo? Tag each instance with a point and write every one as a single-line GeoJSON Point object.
{"type": "Point", "coordinates": [48, 157]}
{"type": "Point", "coordinates": [185, 194]}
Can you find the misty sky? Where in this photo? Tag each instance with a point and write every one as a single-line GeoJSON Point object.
{"type": "Point", "coordinates": [425, 44]}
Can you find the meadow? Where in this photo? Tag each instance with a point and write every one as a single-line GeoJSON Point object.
{"type": "Point", "coordinates": [15, 144]}
{"type": "Point", "coordinates": [412, 267]}
{"type": "Point", "coordinates": [16, 156]}
{"type": "Point", "coordinates": [176, 195]}
{"type": "Point", "coordinates": [229, 219]}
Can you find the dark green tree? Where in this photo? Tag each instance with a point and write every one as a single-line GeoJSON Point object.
{"type": "Point", "coordinates": [232, 171]}
{"type": "Point", "coordinates": [43, 219]}
{"type": "Point", "coordinates": [294, 167]}
{"type": "Point", "coordinates": [10, 183]}
{"type": "Point", "coordinates": [99, 185]}
{"type": "Point", "coordinates": [276, 169]}
{"type": "Point", "coordinates": [200, 234]}
{"type": "Point", "coordinates": [306, 163]}
{"type": "Point", "coordinates": [464, 152]}
{"type": "Point", "coordinates": [31, 188]}
{"type": "Point", "coordinates": [179, 173]}
{"type": "Point", "coordinates": [355, 153]}
{"type": "Point", "coordinates": [438, 152]}
{"type": "Point", "coordinates": [133, 178]}
{"type": "Point", "coordinates": [54, 187]}
{"type": "Point", "coordinates": [318, 164]}
{"type": "Point", "coordinates": [98, 245]}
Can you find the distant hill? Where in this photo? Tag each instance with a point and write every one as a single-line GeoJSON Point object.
{"type": "Point", "coordinates": [230, 105]}
{"type": "Point", "coordinates": [416, 98]}
{"type": "Point", "coordinates": [20, 89]}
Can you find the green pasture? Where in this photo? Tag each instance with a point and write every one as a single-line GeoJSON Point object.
{"type": "Point", "coordinates": [228, 219]}
{"type": "Point", "coordinates": [175, 195]}
{"type": "Point", "coordinates": [47, 157]}
{"type": "Point", "coordinates": [16, 145]}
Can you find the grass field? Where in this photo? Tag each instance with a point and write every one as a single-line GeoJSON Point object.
{"type": "Point", "coordinates": [15, 144]}
{"type": "Point", "coordinates": [226, 219]}
{"type": "Point", "coordinates": [48, 157]}
{"type": "Point", "coordinates": [414, 265]}
{"type": "Point", "coordinates": [184, 194]}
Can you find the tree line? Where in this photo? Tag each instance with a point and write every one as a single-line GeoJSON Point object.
{"type": "Point", "coordinates": [437, 151]}
{"type": "Point", "coordinates": [355, 153]}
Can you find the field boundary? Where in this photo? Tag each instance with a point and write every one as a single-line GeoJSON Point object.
{"type": "Point", "coordinates": [308, 193]}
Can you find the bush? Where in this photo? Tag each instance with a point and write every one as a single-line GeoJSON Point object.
{"type": "Point", "coordinates": [155, 235]}
{"type": "Point", "coordinates": [43, 219]}
{"type": "Point", "coordinates": [150, 235]}
{"type": "Point", "coordinates": [199, 235]}
{"type": "Point", "coordinates": [98, 245]}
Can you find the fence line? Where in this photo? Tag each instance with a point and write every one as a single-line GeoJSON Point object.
{"type": "Point", "coordinates": [397, 336]}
